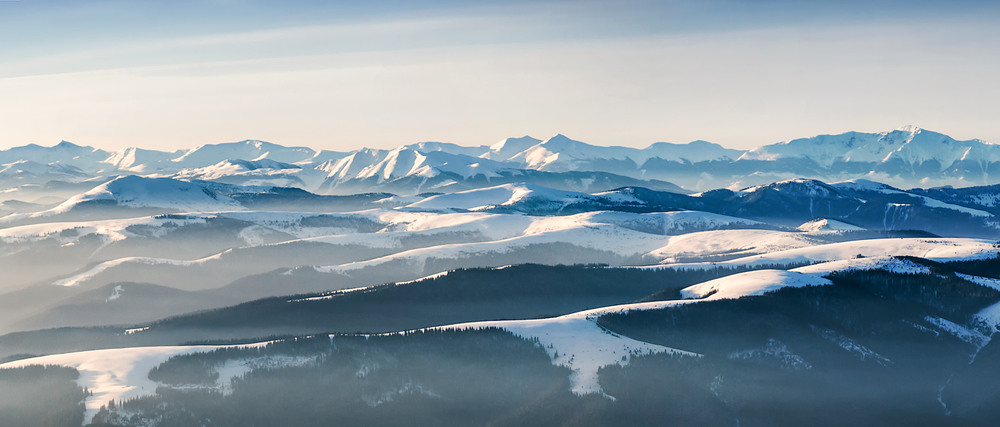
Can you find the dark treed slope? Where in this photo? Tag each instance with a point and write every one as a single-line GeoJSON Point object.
{"type": "Point", "coordinates": [522, 291]}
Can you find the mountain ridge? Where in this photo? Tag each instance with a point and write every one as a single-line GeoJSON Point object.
{"type": "Point", "coordinates": [905, 157]}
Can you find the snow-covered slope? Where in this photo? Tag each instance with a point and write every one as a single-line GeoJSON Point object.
{"type": "Point", "coordinates": [169, 195]}
{"type": "Point", "coordinates": [577, 343]}
{"type": "Point", "coordinates": [692, 152]}
{"type": "Point", "coordinates": [93, 253]}
{"type": "Point", "coordinates": [509, 147]}
{"type": "Point", "coordinates": [937, 249]}
{"type": "Point", "coordinates": [707, 245]}
{"type": "Point", "coordinates": [560, 153]}
{"type": "Point", "coordinates": [602, 240]}
{"type": "Point", "coordinates": [406, 161]}
{"type": "Point", "coordinates": [905, 157]}
{"type": "Point", "coordinates": [447, 147]}
{"type": "Point", "coordinates": [237, 167]}
{"type": "Point", "coordinates": [88, 159]}
{"type": "Point", "coordinates": [137, 192]}
{"type": "Point", "coordinates": [115, 374]}
{"type": "Point", "coordinates": [827, 226]}
{"type": "Point", "coordinates": [575, 340]}
{"type": "Point", "coordinates": [112, 230]}
{"type": "Point", "coordinates": [209, 154]}
{"type": "Point", "coordinates": [139, 160]}
{"type": "Point", "coordinates": [752, 283]}
{"type": "Point", "coordinates": [501, 195]}
{"type": "Point", "coordinates": [77, 279]}
{"type": "Point", "coordinates": [257, 172]}
{"type": "Point", "coordinates": [909, 145]}
{"type": "Point", "coordinates": [32, 170]}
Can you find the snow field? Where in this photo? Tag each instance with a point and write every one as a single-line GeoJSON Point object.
{"type": "Point", "coordinates": [115, 374]}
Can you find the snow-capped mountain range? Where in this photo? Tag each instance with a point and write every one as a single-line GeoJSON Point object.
{"type": "Point", "coordinates": [584, 251]}
{"type": "Point", "coordinates": [770, 273]}
{"type": "Point", "coordinates": [905, 157]}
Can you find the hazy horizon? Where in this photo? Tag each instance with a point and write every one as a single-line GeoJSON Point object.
{"type": "Point", "coordinates": [339, 75]}
{"type": "Point", "coordinates": [487, 143]}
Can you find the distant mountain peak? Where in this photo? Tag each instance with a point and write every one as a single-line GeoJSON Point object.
{"type": "Point", "coordinates": [525, 141]}
{"type": "Point", "coordinates": [562, 140]}
{"type": "Point", "coordinates": [66, 144]}
{"type": "Point", "coordinates": [905, 157]}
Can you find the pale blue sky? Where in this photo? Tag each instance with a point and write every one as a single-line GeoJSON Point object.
{"type": "Point", "coordinates": [341, 75]}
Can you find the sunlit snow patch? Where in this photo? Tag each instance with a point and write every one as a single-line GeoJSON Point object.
{"type": "Point", "coordinates": [578, 343]}
{"type": "Point", "coordinates": [827, 226]}
{"type": "Point", "coordinates": [752, 283]}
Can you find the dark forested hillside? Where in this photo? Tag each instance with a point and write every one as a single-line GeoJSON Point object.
{"type": "Point", "coordinates": [485, 377]}
{"type": "Point", "coordinates": [874, 348]}
{"type": "Point", "coordinates": [521, 291]}
{"type": "Point", "coordinates": [41, 396]}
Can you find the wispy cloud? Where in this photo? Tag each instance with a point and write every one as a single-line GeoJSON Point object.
{"type": "Point", "coordinates": [469, 76]}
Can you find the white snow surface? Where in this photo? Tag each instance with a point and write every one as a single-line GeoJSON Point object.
{"type": "Point", "coordinates": [706, 244]}
{"type": "Point", "coordinates": [115, 293]}
{"type": "Point", "coordinates": [292, 222]}
{"type": "Point", "coordinates": [138, 192]}
{"type": "Point", "coordinates": [937, 249]}
{"type": "Point", "coordinates": [584, 347]}
{"type": "Point", "coordinates": [508, 147]}
{"type": "Point", "coordinates": [560, 153]}
{"type": "Point", "coordinates": [109, 230]}
{"type": "Point", "coordinates": [988, 282]}
{"type": "Point", "coordinates": [573, 340]}
{"type": "Point", "coordinates": [909, 144]}
{"type": "Point", "coordinates": [827, 226]}
{"type": "Point", "coordinates": [209, 154]}
{"type": "Point", "coordinates": [970, 336]}
{"type": "Point", "coordinates": [866, 185]}
{"type": "Point", "coordinates": [750, 283]}
{"type": "Point", "coordinates": [991, 314]}
{"type": "Point", "coordinates": [115, 374]}
{"type": "Point", "coordinates": [887, 263]}
{"type": "Point", "coordinates": [576, 342]}
{"type": "Point", "coordinates": [501, 195]}
{"type": "Point", "coordinates": [674, 222]}
{"type": "Point", "coordinates": [597, 237]}
{"type": "Point", "coordinates": [623, 233]}
{"type": "Point", "coordinates": [420, 160]}
{"type": "Point", "coordinates": [78, 279]}
{"type": "Point", "coordinates": [230, 168]}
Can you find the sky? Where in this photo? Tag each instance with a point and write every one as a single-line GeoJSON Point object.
{"type": "Point", "coordinates": [342, 75]}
